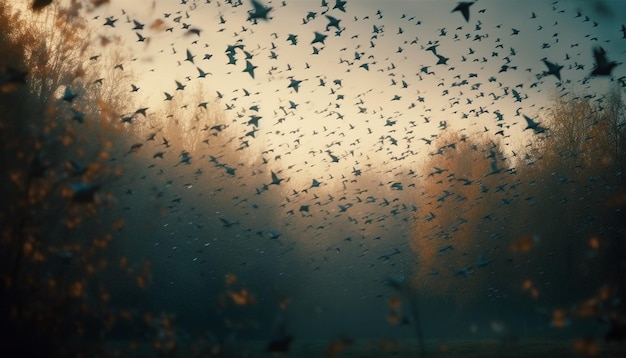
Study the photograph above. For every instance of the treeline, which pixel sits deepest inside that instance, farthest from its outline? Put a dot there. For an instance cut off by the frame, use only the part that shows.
(543, 223)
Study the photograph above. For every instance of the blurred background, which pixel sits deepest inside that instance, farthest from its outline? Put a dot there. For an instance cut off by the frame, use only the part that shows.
(190, 178)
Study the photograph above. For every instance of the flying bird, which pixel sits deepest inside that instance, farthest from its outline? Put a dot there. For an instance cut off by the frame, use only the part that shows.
(463, 7)
(553, 69)
(275, 179)
(110, 21)
(138, 25)
(189, 56)
(227, 223)
(340, 5)
(250, 68)
(332, 22)
(78, 116)
(293, 39)
(319, 37)
(68, 95)
(603, 66)
(531, 124)
(259, 11)
(295, 84)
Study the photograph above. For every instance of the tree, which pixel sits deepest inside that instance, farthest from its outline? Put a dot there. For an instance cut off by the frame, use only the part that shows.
(57, 148)
(545, 225)
(576, 180)
(461, 214)
(54, 42)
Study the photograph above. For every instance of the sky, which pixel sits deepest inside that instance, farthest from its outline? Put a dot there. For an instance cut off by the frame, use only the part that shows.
(368, 98)
(389, 82)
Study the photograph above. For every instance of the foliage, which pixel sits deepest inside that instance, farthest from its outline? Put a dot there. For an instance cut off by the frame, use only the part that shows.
(549, 225)
(58, 143)
(461, 213)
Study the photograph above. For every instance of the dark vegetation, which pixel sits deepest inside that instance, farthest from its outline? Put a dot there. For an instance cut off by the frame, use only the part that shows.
(58, 217)
(76, 244)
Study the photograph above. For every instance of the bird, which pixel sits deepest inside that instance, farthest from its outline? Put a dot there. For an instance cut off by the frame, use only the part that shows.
(315, 184)
(68, 95)
(340, 5)
(259, 11)
(531, 124)
(77, 115)
(553, 69)
(463, 7)
(250, 69)
(442, 60)
(140, 38)
(603, 66)
(138, 25)
(332, 22)
(293, 39)
(189, 56)
(227, 223)
(201, 73)
(110, 21)
(495, 169)
(275, 179)
(319, 37)
(142, 111)
(185, 158)
(254, 120)
(295, 84)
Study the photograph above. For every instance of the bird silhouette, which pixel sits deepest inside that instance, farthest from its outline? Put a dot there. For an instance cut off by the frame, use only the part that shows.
(553, 69)
(275, 179)
(463, 7)
(603, 65)
(68, 95)
(250, 68)
(259, 11)
(531, 124)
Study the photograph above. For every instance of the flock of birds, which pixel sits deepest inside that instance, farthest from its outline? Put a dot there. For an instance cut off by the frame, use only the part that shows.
(463, 91)
(328, 113)
(300, 113)
(316, 99)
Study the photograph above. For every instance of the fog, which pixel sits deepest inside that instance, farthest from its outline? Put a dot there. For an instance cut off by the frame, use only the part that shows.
(215, 174)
